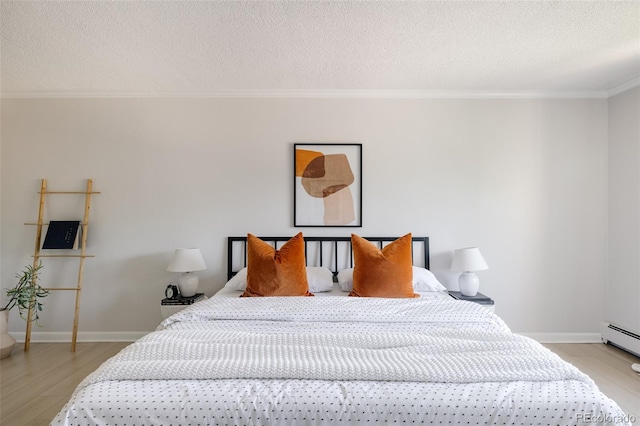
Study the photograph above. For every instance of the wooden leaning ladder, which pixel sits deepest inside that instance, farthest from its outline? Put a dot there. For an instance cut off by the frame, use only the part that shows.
(82, 256)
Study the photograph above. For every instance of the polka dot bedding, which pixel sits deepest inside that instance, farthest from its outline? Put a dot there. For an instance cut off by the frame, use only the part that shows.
(316, 361)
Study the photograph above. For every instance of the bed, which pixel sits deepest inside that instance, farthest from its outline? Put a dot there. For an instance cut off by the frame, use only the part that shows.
(333, 359)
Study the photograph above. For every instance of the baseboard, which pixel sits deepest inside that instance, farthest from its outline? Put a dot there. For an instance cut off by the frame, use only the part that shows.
(131, 336)
(83, 336)
(565, 337)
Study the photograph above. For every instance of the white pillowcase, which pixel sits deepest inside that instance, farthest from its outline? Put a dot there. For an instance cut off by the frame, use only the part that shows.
(238, 281)
(320, 279)
(423, 280)
(345, 279)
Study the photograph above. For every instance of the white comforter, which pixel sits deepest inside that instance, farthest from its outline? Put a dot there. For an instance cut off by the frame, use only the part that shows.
(317, 350)
(265, 343)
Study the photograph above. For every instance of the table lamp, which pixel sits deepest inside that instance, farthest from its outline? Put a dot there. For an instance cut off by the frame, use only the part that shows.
(187, 261)
(467, 260)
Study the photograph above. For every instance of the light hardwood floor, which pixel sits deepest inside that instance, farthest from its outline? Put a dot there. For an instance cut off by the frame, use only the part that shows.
(35, 385)
(610, 368)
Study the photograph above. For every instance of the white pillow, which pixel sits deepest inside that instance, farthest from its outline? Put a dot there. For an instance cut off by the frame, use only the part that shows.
(423, 280)
(319, 278)
(345, 279)
(238, 281)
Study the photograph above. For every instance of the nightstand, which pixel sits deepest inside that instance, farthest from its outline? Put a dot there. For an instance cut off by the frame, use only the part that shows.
(479, 298)
(168, 310)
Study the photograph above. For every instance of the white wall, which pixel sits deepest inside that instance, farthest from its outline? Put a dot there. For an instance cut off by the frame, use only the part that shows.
(623, 301)
(524, 180)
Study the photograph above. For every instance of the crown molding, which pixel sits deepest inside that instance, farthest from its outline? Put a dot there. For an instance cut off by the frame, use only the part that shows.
(335, 94)
(624, 87)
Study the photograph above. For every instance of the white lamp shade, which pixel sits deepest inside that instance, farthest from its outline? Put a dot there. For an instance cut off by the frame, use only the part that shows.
(187, 260)
(468, 259)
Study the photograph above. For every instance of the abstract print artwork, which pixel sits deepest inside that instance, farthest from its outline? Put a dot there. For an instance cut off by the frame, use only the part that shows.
(327, 184)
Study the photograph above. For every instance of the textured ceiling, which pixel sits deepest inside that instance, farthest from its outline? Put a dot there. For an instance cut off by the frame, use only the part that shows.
(199, 48)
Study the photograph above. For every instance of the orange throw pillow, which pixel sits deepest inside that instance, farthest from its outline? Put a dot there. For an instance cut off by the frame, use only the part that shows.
(272, 272)
(382, 273)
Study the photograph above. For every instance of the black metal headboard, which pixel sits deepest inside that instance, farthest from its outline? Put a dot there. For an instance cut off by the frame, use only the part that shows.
(334, 253)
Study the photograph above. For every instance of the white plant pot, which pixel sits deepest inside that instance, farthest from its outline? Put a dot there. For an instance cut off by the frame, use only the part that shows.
(6, 341)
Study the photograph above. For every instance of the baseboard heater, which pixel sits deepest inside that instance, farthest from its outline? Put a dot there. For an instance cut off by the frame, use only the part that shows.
(618, 336)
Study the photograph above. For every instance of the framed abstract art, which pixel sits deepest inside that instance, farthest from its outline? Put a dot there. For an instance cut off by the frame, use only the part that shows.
(327, 184)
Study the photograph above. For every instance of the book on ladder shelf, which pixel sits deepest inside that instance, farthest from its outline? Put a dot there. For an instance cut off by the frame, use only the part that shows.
(63, 234)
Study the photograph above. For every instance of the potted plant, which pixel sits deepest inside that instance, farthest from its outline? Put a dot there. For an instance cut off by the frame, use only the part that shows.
(26, 295)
